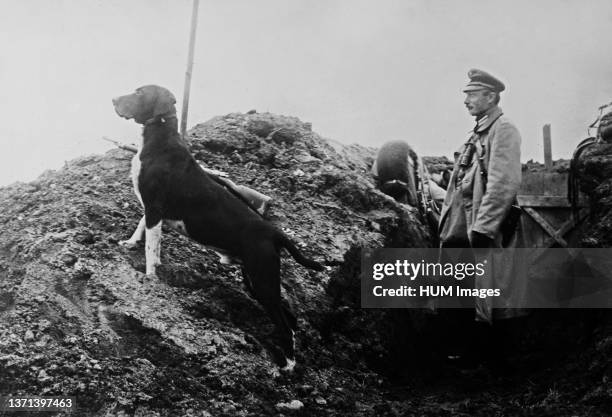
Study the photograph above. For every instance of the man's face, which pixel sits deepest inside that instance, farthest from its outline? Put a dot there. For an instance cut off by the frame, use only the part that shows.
(478, 102)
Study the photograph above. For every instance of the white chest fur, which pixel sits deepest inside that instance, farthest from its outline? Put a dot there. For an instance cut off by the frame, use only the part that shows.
(134, 173)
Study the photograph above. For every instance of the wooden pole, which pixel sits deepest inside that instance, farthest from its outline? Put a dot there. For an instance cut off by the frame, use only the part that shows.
(547, 147)
(192, 38)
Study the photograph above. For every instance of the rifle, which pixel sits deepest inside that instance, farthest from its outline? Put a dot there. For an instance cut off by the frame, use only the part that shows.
(120, 145)
(430, 212)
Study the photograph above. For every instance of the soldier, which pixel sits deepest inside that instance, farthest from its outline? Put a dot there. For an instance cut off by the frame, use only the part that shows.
(395, 170)
(401, 174)
(481, 192)
(487, 172)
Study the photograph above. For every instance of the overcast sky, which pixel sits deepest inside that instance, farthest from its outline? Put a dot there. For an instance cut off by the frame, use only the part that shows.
(360, 71)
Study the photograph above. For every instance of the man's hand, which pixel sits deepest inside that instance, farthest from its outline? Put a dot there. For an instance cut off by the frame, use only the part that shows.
(478, 240)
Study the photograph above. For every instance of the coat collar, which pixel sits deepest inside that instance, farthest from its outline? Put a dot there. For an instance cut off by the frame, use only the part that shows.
(488, 119)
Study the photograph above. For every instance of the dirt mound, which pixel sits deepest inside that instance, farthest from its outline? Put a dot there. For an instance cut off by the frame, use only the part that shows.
(595, 171)
(79, 317)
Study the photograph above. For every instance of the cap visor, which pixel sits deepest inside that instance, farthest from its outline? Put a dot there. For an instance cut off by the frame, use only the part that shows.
(469, 88)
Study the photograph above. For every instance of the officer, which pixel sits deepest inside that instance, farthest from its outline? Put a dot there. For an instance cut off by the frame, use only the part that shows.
(487, 171)
(481, 192)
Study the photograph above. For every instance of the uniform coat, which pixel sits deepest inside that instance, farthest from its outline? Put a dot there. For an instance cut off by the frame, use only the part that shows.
(486, 206)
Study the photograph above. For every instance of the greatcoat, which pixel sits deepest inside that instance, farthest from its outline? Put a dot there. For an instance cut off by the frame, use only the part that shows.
(486, 203)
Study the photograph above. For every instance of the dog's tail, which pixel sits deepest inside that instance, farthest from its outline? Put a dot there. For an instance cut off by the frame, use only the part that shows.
(284, 242)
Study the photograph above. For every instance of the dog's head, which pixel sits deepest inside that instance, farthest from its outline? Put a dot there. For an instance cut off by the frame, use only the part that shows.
(146, 103)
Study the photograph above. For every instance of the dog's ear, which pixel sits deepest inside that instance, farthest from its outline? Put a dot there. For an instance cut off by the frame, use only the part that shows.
(164, 105)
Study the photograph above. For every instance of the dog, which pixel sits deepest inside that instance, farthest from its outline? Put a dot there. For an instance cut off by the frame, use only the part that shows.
(173, 189)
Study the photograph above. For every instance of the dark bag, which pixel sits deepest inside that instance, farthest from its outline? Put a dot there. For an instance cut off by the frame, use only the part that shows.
(510, 224)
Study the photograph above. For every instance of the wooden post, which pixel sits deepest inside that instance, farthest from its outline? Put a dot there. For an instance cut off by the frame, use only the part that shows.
(192, 37)
(547, 148)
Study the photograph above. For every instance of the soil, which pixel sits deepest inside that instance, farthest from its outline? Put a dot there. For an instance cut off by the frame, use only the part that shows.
(78, 316)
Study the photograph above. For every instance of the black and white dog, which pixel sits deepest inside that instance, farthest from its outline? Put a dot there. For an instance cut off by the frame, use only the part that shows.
(173, 188)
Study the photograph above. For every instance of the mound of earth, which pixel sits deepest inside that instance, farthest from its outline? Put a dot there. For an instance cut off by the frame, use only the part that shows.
(595, 171)
(80, 318)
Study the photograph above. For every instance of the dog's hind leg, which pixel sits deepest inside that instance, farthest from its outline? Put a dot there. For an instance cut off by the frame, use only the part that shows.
(288, 316)
(279, 357)
(290, 322)
(285, 336)
(136, 236)
(262, 271)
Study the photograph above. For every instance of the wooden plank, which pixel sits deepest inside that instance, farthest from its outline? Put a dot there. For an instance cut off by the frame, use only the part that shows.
(575, 221)
(547, 148)
(544, 224)
(543, 183)
(187, 87)
(565, 228)
(543, 201)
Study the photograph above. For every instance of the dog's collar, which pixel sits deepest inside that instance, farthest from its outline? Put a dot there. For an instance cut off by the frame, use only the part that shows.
(163, 119)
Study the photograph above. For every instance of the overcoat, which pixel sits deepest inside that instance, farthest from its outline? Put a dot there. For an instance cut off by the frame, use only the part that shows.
(486, 202)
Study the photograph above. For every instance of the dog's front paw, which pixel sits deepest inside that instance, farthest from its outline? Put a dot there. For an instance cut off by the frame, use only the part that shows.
(130, 244)
(150, 277)
(289, 367)
(277, 371)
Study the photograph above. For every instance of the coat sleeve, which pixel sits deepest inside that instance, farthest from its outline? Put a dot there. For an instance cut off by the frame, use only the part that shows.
(503, 180)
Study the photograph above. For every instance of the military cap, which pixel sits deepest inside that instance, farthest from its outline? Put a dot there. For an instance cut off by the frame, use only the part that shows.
(480, 79)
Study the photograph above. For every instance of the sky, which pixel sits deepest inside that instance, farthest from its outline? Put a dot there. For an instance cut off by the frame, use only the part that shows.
(360, 71)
